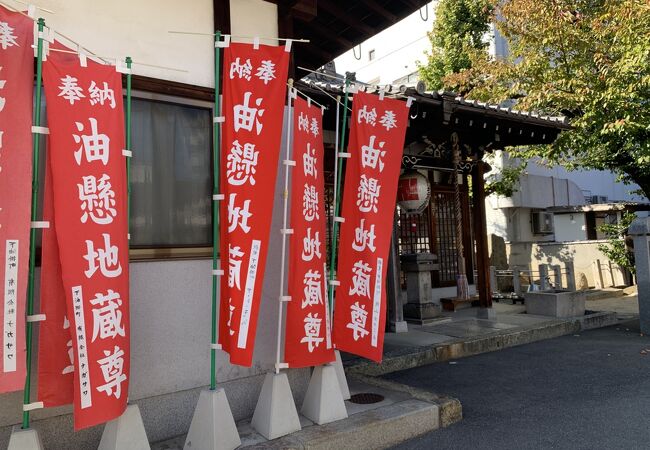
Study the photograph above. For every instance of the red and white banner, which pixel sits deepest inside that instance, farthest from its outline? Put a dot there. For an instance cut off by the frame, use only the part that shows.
(16, 99)
(371, 174)
(255, 83)
(55, 351)
(308, 340)
(86, 122)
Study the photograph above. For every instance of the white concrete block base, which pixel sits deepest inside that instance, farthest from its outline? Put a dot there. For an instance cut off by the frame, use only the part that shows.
(127, 431)
(340, 374)
(275, 414)
(486, 313)
(323, 401)
(24, 439)
(213, 426)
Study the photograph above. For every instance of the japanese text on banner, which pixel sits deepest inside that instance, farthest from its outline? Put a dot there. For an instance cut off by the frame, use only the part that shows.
(376, 145)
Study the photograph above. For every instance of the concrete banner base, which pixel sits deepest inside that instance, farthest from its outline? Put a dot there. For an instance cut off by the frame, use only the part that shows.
(127, 431)
(340, 374)
(24, 439)
(323, 401)
(486, 313)
(275, 414)
(213, 426)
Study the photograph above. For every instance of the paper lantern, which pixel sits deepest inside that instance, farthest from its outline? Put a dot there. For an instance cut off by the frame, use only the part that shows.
(413, 192)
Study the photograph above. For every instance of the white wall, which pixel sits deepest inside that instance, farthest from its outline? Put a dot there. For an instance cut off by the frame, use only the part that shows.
(397, 49)
(570, 227)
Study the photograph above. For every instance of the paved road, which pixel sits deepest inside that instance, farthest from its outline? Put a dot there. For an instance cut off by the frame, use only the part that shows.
(589, 391)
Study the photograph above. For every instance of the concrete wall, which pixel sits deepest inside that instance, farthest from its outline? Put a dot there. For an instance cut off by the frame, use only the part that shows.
(170, 300)
(581, 253)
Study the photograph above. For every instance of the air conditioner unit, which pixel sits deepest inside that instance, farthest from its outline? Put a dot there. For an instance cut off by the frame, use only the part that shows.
(599, 199)
(542, 222)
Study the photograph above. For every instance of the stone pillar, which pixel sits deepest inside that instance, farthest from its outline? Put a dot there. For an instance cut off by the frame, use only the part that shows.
(640, 233)
(420, 307)
(598, 275)
(543, 277)
(557, 276)
(516, 281)
(570, 276)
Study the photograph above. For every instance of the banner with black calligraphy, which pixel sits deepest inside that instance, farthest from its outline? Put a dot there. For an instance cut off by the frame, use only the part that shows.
(371, 174)
(86, 122)
(308, 339)
(16, 99)
(255, 83)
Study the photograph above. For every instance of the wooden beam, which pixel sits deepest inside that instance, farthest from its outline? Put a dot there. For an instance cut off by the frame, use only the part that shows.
(480, 235)
(221, 15)
(346, 17)
(376, 7)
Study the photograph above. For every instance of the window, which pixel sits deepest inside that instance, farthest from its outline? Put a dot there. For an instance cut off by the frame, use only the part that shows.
(371, 55)
(171, 179)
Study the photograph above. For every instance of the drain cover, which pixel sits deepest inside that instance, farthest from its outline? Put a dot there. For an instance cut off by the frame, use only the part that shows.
(366, 398)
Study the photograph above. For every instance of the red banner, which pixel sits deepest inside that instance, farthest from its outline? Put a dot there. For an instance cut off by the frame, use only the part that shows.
(371, 174)
(86, 122)
(308, 339)
(16, 99)
(253, 104)
(55, 351)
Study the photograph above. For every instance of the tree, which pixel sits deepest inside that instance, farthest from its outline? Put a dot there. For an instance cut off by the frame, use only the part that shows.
(615, 248)
(460, 26)
(588, 60)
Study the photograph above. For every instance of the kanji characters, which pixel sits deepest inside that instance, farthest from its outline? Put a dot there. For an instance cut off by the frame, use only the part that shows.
(107, 317)
(105, 259)
(310, 246)
(313, 127)
(303, 122)
(358, 318)
(70, 90)
(97, 199)
(313, 291)
(101, 95)
(364, 238)
(388, 120)
(309, 162)
(369, 117)
(310, 203)
(241, 164)
(238, 215)
(95, 146)
(3, 102)
(360, 279)
(7, 36)
(112, 366)
(371, 156)
(266, 71)
(234, 266)
(247, 116)
(368, 194)
(70, 367)
(312, 332)
(241, 70)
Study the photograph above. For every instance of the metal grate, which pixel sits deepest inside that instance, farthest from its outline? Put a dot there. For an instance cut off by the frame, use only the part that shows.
(366, 398)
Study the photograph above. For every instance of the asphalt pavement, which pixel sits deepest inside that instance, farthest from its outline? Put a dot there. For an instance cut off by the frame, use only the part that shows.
(586, 391)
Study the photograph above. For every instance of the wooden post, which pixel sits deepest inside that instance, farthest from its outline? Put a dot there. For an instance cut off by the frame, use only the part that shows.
(543, 276)
(396, 323)
(480, 235)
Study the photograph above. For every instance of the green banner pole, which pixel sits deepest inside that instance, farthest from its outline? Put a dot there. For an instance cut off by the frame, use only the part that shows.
(215, 210)
(32, 234)
(127, 120)
(337, 200)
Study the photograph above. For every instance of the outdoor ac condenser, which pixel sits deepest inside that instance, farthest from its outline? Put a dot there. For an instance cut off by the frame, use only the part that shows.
(542, 222)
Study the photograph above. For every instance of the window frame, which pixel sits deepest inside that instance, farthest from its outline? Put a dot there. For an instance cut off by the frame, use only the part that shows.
(162, 253)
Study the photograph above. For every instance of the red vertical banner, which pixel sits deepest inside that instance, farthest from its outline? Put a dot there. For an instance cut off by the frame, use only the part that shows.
(371, 174)
(308, 339)
(55, 350)
(16, 99)
(255, 83)
(86, 122)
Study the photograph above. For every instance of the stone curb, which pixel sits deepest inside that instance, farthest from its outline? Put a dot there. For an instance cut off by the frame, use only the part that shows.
(460, 348)
(374, 429)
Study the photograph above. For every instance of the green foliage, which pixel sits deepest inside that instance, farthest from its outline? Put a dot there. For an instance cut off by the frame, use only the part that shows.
(506, 181)
(615, 249)
(459, 28)
(586, 59)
